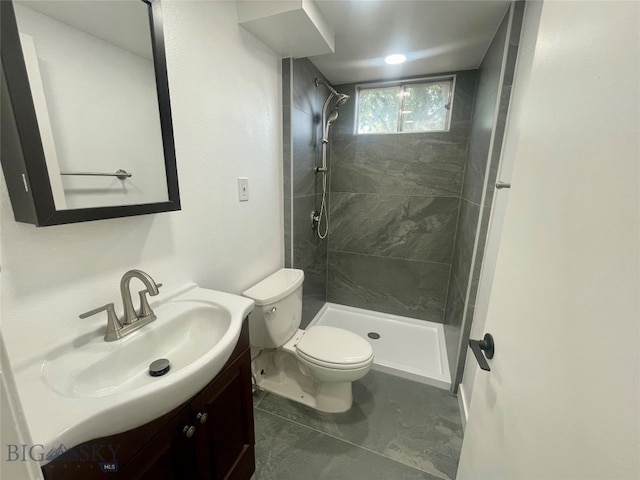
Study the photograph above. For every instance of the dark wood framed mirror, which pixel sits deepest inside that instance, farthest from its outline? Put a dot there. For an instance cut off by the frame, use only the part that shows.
(46, 191)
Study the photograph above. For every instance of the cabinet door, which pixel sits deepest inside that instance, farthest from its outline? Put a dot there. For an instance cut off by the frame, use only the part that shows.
(169, 455)
(225, 441)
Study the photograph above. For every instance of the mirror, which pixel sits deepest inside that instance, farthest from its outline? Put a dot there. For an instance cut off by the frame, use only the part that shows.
(86, 118)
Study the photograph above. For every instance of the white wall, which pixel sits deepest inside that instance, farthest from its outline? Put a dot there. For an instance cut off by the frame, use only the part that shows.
(102, 107)
(225, 94)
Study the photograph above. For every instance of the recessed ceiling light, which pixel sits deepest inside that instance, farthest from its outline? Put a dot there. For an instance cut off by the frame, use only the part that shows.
(395, 59)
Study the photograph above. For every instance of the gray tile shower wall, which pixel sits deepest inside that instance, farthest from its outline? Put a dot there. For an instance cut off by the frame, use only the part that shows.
(454, 309)
(397, 286)
(465, 237)
(399, 226)
(393, 209)
(485, 144)
(302, 109)
(474, 178)
(286, 158)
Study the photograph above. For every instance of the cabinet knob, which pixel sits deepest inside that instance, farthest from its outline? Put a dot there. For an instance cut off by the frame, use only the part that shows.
(189, 430)
(202, 417)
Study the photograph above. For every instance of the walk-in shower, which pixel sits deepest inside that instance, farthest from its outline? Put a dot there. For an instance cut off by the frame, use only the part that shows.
(336, 100)
(408, 211)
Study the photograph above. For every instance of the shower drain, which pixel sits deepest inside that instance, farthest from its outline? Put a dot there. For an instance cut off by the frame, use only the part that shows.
(373, 335)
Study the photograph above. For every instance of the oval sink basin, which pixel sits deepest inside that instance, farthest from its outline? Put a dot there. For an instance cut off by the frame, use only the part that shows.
(183, 333)
(88, 388)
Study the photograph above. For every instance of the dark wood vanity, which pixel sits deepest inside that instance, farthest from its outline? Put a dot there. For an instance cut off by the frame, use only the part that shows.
(209, 437)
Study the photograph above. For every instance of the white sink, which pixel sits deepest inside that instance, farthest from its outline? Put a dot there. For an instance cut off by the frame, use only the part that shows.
(88, 388)
(186, 330)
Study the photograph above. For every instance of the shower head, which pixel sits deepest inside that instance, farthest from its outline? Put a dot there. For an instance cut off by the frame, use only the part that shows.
(341, 97)
(341, 100)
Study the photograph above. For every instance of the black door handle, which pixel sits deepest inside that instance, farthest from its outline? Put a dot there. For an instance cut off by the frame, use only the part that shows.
(486, 345)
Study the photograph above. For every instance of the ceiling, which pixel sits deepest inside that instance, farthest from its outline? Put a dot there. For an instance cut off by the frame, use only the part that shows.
(436, 36)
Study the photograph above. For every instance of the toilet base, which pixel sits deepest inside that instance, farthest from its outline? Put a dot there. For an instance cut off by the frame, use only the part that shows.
(279, 373)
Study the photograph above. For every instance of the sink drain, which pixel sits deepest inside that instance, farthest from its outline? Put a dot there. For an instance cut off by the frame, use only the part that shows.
(373, 335)
(159, 367)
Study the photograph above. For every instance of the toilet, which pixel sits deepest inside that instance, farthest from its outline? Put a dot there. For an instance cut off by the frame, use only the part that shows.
(316, 366)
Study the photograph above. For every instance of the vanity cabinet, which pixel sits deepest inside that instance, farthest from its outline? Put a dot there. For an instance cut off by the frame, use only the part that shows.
(168, 455)
(223, 416)
(210, 437)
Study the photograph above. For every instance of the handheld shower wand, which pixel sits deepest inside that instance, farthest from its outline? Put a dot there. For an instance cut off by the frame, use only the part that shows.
(332, 118)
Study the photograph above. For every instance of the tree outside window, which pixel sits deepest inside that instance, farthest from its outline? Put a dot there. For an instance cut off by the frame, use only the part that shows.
(409, 107)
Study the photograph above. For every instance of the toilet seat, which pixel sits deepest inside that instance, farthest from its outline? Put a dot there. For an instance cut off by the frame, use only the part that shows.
(334, 348)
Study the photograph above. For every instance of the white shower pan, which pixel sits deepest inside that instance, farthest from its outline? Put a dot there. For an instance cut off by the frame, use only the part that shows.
(406, 347)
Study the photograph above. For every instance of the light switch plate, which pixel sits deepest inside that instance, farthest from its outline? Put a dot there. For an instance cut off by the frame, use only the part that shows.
(243, 189)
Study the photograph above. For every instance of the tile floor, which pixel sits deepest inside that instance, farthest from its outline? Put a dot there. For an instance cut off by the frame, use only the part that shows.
(396, 430)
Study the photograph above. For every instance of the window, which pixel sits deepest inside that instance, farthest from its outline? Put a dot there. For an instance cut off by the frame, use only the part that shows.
(418, 106)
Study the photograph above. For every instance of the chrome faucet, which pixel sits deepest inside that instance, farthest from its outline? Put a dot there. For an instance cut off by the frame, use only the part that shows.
(131, 321)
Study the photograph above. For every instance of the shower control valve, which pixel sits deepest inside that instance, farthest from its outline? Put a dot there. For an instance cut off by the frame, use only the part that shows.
(315, 219)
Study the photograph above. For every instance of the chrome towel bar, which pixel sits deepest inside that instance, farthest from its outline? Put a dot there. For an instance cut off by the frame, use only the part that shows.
(121, 174)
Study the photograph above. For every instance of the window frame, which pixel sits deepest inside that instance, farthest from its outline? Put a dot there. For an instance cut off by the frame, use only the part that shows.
(402, 83)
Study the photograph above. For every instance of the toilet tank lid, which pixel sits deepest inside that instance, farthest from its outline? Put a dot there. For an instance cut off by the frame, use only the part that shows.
(276, 286)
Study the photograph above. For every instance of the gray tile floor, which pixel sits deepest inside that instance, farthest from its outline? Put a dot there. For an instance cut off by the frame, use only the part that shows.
(396, 430)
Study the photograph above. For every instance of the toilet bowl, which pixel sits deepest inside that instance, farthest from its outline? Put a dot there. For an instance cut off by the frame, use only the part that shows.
(315, 367)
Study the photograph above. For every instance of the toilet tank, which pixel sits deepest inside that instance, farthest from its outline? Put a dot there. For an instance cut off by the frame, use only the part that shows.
(278, 311)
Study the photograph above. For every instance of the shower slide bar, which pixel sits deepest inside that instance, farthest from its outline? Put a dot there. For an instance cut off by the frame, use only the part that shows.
(121, 174)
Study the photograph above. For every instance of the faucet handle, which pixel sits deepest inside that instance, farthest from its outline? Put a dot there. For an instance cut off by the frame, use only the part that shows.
(113, 324)
(108, 307)
(145, 308)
